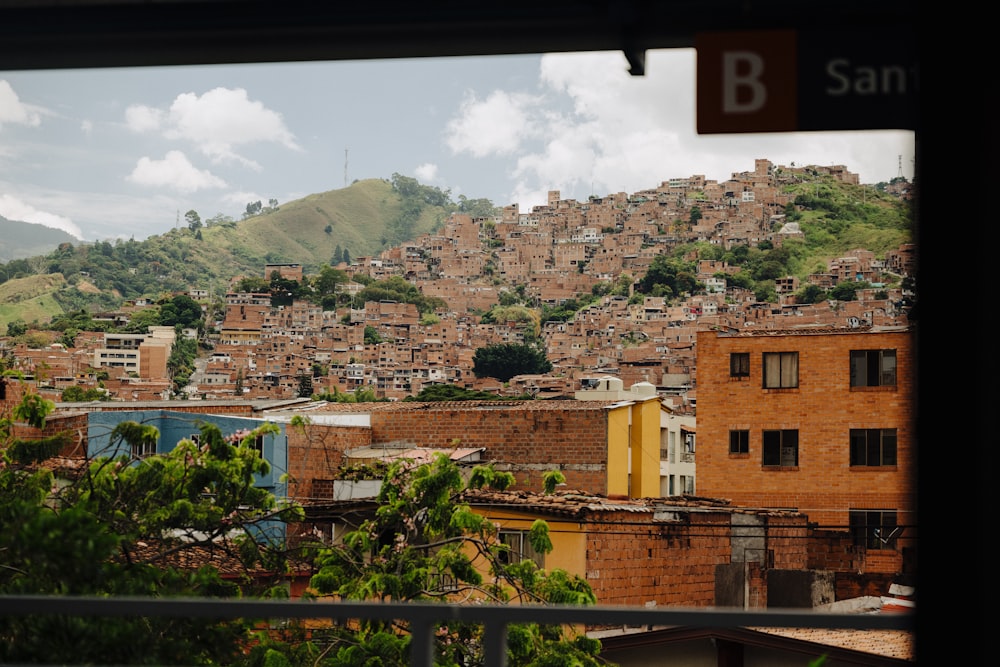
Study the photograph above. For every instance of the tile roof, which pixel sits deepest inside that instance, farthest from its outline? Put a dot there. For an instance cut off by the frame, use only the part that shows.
(899, 644)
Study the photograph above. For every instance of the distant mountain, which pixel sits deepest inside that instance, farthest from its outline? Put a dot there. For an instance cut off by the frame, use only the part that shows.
(20, 240)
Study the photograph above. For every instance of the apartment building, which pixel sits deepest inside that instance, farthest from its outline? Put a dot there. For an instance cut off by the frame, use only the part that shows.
(820, 420)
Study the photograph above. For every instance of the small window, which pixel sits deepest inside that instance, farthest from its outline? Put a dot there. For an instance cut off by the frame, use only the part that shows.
(874, 529)
(141, 450)
(873, 368)
(689, 442)
(739, 442)
(873, 446)
(781, 370)
(739, 364)
(781, 448)
(519, 548)
(195, 438)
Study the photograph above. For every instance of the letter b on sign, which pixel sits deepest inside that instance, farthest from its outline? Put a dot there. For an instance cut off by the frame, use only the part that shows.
(747, 82)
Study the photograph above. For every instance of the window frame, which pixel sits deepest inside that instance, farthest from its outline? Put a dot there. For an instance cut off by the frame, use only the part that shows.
(741, 438)
(519, 548)
(873, 444)
(867, 527)
(775, 454)
(867, 363)
(787, 370)
(739, 364)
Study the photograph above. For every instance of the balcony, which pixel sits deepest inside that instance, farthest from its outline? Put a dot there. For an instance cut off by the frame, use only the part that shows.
(423, 618)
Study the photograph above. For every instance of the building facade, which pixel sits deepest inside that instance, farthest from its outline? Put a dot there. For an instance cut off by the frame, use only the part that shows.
(820, 421)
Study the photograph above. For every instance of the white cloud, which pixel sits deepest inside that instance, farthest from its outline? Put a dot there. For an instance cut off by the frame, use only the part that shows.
(12, 110)
(87, 127)
(224, 119)
(140, 118)
(494, 126)
(426, 173)
(13, 208)
(174, 171)
(617, 132)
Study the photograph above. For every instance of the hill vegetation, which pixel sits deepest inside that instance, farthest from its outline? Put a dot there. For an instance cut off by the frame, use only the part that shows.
(323, 229)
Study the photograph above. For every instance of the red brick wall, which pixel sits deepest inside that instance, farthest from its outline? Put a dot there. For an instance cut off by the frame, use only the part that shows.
(823, 409)
(635, 562)
(527, 440)
(315, 452)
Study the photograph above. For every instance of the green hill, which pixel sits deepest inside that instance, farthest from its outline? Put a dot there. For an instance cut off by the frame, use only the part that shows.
(363, 219)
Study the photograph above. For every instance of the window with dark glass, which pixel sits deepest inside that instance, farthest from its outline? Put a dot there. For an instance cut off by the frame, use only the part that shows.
(873, 446)
(739, 364)
(873, 368)
(874, 529)
(518, 548)
(739, 442)
(781, 448)
(781, 370)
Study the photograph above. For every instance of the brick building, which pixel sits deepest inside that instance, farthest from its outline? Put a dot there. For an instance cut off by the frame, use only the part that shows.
(816, 420)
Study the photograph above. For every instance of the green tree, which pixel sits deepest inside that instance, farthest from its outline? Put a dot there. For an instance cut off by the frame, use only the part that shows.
(423, 543)
(122, 528)
(193, 220)
(505, 360)
(182, 311)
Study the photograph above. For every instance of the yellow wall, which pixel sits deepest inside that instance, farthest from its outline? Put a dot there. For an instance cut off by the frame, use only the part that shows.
(569, 544)
(619, 420)
(634, 447)
(646, 449)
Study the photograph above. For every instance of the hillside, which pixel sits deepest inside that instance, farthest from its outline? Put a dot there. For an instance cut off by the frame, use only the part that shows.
(364, 219)
(20, 240)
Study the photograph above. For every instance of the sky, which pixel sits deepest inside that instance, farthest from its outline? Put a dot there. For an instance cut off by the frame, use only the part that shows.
(126, 153)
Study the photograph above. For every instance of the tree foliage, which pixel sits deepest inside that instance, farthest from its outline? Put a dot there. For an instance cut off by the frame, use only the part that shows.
(505, 360)
(122, 527)
(425, 544)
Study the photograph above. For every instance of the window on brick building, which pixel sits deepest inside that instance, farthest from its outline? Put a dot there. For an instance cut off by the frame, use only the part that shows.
(873, 368)
(519, 548)
(874, 529)
(739, 442)
(781, 448)
(873, 446)
(739, 364)
(781, 370)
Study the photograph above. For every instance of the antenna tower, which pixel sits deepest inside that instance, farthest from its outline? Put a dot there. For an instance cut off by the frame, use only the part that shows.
(900, 174)
(345, 167)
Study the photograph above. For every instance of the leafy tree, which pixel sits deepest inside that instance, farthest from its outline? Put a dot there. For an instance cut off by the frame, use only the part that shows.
(505, 360)
(425, 544)
(673, 276)
(193, 220)
(372, 336)
(182, 311)
(847, 291)
(111, 532)
(77, 394)
(17, 327)
(810, 294)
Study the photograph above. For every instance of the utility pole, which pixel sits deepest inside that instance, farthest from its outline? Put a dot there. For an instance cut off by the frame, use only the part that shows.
(345, 167)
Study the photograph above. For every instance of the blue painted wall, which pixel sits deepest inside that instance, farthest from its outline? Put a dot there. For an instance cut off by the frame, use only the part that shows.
(175, 426)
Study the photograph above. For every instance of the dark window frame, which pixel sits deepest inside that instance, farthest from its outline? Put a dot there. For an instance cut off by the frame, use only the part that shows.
(874, 529)
(739, 441)
(739, 364)
(873, 447)
(780, 448)
(874, 368)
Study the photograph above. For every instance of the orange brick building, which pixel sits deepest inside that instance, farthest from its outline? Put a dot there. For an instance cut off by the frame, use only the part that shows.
(819, 421)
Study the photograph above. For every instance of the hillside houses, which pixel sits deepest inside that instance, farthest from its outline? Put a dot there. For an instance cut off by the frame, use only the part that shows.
(554, 254)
